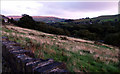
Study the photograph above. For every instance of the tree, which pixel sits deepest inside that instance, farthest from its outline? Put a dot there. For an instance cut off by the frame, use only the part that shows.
(113, 39)
(67, 32)
(11, 20)
(3, 21)
(90, 20)
(69, 20)
(74, 32)
(27, 21)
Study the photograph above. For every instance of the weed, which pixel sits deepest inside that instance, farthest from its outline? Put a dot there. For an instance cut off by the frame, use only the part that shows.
(27, 39)
(51, 36)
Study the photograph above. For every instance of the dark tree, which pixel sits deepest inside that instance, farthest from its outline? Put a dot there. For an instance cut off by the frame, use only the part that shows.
(27, 21)
(11, 20)
(69, 20)
(3, 21)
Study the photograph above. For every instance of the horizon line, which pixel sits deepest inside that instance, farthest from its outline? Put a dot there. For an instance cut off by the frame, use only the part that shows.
(58, 17)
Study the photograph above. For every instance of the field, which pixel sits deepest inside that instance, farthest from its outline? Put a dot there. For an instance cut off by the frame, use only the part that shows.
(79, 55)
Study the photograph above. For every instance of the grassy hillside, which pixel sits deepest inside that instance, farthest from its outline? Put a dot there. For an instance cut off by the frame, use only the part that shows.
(79, 55)
(100, 19)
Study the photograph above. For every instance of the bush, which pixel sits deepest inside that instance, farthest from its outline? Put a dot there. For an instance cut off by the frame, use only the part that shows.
(113, 39)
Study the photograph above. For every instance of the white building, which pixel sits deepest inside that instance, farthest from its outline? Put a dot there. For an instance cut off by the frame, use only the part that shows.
(5, 18)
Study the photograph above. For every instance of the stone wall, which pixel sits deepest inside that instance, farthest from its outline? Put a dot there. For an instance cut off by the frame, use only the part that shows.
(21, 60)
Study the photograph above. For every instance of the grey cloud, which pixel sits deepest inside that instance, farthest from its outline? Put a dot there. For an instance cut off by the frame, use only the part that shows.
(59, 8)
(79, 6)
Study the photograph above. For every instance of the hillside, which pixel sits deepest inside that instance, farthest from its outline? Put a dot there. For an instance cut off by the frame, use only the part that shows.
(47, 19)
(99, 19)
(79, 55)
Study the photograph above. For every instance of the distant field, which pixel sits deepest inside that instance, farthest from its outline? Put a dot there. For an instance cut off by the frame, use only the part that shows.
(79, 55)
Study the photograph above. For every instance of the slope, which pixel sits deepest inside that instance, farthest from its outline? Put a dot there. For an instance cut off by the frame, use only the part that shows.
(99, 19)
(79, 55)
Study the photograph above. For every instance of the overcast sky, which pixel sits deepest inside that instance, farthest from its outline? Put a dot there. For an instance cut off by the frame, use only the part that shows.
(71, 10)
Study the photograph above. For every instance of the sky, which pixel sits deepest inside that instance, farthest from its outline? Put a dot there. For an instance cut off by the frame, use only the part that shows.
(62, 9)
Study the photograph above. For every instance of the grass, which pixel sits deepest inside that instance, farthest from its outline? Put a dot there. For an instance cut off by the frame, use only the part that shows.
(21, 33)
(11, 31)
(51, 36)
(6, 30)
(105, 20)
(74, 60)
(0, 28)
(27, 39)
(103, 46)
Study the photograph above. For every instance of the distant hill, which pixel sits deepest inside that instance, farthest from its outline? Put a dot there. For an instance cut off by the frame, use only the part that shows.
(50, 19)
(107, 18)
(47, 19)
(98, 19)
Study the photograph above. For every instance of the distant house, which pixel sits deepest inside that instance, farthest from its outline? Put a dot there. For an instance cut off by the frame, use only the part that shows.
(5, 18)
(90, 22)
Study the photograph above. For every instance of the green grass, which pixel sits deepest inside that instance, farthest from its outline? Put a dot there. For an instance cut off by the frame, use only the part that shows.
(103, 46)
(22, 33)
(51, 36)
(105, 20)
(0, 28)
(12, 38)
(82, 62)
(27, 39)
(6, 30)
(11, 31)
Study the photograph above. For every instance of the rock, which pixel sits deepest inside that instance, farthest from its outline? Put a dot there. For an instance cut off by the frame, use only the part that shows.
(5, 38)
(64, 38)
(43, 35)
(31, 34)
(97, 43)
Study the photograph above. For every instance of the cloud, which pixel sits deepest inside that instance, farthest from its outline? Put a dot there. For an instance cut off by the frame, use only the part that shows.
(59, 9)
(80, 6)
(20, 7)
(80, 9)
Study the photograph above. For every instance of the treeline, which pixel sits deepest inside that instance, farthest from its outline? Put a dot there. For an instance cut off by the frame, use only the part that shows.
(27, 22)
(108, 32)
